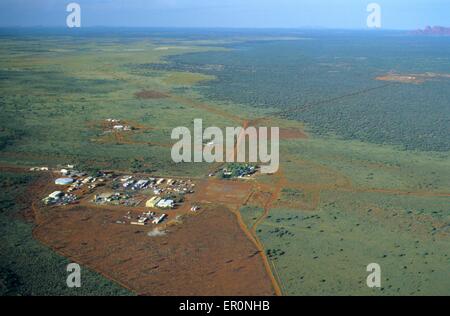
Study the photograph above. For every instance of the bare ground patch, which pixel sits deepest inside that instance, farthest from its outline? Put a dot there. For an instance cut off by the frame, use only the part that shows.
(150, 94)
(207, 255)
(292, 133)
(412, 78)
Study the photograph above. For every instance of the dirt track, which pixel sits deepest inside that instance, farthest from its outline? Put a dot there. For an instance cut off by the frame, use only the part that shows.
(214, 253)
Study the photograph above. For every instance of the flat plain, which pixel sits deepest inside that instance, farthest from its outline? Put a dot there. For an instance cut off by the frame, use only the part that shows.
(364, 174)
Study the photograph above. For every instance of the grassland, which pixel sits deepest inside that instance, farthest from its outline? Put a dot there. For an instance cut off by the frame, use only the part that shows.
(346, 204)
(53, 97)
(325, 252)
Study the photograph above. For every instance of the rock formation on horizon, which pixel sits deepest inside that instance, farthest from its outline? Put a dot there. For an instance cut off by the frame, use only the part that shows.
(433, 30)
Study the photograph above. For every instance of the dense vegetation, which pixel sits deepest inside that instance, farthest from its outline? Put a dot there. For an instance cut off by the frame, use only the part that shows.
(329, 82)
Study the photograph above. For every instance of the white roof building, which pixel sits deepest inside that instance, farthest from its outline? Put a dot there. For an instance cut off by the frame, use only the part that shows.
(165, 203)
(64, 181)
(159, 219)
(56, 195)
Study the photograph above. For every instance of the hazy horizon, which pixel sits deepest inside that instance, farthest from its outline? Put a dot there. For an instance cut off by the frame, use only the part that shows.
(230, 14)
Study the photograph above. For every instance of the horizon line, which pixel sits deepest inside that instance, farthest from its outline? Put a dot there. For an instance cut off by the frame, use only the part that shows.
(310, 28)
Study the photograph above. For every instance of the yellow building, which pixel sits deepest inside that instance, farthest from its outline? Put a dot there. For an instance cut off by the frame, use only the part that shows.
(153, 201)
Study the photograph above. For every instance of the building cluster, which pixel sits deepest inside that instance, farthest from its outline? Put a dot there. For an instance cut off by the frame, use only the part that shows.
(162, 189)
(131, 190)
(115, 198)
(75, 180)
(157, 185)
(118, 126)
(238, 171)
(144, 219)
(122, 190)
(59, 198)
(72, 180)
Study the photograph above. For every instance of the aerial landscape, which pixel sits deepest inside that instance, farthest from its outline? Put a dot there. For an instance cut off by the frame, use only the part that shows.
(87, 173)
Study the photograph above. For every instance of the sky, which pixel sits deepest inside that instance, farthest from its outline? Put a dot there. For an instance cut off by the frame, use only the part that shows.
(342, 14)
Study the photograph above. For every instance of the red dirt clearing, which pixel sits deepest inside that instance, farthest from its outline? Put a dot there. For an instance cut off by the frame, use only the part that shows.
(227, 192)
(148, 94)
(292, 133)
(208, 254)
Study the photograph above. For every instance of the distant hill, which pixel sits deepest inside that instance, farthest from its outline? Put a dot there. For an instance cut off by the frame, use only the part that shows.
(433, 30)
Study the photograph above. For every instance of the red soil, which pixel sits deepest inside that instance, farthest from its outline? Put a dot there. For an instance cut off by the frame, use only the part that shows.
(147, 94)
(207, 254)
(292, 133)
